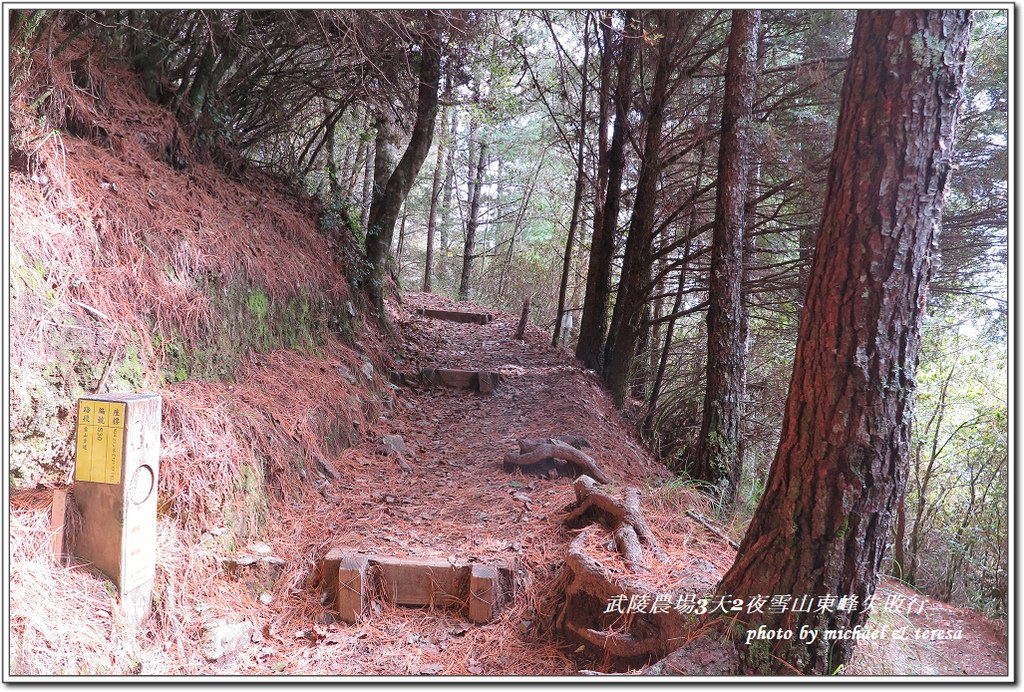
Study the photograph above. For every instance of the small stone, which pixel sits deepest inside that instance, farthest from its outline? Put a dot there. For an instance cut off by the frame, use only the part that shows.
(394, 444)
(351, 308)
(522, 497)
(261, 548)
(266, 598)
(367, 370)
(222, 639)
(347, 374)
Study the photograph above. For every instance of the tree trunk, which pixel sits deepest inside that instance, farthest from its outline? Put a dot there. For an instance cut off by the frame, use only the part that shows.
(642, 368)
(923, 480)
(446, 202)
(435, 199)
(401, 238)
(471, 222)
(367, 195)
(384, 212)
(899, 541)
(823, 524)
(602, 246)
(659, 377)
(627, 319)
(577, 195)
(717, 457)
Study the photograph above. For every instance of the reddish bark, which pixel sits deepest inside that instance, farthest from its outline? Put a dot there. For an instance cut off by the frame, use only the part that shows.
(823, 523)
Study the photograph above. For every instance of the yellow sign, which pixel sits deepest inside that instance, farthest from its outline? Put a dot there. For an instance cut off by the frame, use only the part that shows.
(100, 441)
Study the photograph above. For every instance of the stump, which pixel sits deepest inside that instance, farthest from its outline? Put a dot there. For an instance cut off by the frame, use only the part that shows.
(521, 329)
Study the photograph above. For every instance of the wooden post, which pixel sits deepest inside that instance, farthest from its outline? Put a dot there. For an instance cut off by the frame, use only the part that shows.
(58, 508)
(351, 587)
(116, 470)
(484, 593)
(521, 331)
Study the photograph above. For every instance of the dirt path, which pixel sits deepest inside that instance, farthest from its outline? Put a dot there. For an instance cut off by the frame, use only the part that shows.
(459, 503)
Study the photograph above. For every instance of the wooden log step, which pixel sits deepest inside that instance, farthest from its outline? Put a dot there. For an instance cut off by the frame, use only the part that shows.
(456, 315)
(478, 589)
(482, 381)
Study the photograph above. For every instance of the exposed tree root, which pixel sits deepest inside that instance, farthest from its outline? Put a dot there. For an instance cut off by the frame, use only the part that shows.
(623, 640)
(594, 504)
(561, 453)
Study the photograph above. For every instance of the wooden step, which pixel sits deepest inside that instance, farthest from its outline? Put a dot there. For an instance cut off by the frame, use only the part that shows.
(479, 590)
(456, 315)
(483, 381)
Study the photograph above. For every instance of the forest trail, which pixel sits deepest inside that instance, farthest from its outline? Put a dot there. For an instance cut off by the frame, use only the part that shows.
(459, 503)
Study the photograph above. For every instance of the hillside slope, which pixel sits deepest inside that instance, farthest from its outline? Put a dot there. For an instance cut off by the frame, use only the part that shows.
(133, 253)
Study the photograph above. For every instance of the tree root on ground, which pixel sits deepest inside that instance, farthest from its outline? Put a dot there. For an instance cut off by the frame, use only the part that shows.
(561, 451)
(622, 640)
(595, 505)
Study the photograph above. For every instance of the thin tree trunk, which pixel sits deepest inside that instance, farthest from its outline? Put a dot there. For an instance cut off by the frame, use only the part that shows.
(595, 303)
(384, 212)
(435, 198)
(518, 225)
(401, 238)
(446, 205)
(823, 524)
(577, 195)
(659, 378)
(471, 222)
(367, 196)
(642, 370)
(333, 184)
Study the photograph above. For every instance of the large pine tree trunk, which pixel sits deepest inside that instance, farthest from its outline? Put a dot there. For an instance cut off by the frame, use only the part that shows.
(717, 458)
(602, 246)
(823, 524)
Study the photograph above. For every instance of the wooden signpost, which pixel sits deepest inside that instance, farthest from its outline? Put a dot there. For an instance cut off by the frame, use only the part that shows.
(116, 470)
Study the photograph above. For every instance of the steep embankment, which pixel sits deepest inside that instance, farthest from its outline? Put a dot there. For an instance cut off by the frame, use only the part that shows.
(139, 264)
(136, 262)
